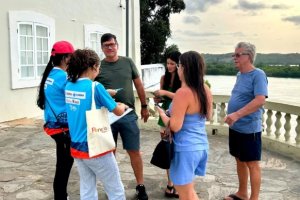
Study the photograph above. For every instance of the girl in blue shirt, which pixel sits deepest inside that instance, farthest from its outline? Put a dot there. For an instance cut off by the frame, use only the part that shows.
(83, 68)
(51, 99)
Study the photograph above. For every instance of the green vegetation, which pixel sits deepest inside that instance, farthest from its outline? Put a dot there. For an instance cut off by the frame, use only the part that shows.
(271, 71)
(281, 71)
(270, 59)
(274, 65)
(155, 27)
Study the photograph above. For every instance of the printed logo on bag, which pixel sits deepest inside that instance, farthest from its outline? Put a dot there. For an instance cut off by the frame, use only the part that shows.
(97, 130)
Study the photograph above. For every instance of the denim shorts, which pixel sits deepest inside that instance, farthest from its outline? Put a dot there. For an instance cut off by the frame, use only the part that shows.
(129, 131)
(245, 147)
(186, 165)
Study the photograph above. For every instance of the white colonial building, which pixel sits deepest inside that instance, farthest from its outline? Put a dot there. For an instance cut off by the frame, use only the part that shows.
(29, 29)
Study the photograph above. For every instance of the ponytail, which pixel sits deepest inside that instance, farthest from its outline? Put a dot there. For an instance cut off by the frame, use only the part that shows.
(41, 93)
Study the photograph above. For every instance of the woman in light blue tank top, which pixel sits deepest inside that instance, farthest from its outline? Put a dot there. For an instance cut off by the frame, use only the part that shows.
(191, 106)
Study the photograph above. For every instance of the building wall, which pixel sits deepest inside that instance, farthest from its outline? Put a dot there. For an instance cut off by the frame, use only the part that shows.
(70, 16)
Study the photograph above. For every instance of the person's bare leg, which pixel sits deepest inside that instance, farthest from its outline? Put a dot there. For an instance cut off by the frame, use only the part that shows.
(137, 165)
(255, 179)
(187, 192)
(242, 172)
(170, 183)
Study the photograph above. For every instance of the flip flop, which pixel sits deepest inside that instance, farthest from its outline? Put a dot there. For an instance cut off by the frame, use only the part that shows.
(172, 193)
(233, 197)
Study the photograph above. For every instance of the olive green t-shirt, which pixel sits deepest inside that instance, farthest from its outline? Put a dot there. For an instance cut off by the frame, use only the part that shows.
(119, 74)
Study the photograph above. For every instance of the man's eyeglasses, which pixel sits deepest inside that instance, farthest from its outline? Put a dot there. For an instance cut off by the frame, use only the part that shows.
(237, 55)
(111, 45)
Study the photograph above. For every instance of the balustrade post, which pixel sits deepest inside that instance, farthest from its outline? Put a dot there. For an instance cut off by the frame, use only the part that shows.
(278, 124)
(287, 127)
(222, 113)
(213, 114)
(263, 120)
(297, 139)
(269, 122)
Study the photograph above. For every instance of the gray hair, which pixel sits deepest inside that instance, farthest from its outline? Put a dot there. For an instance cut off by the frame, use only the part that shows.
(248, 48)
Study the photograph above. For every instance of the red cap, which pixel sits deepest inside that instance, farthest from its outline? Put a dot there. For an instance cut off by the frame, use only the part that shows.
(62, 47)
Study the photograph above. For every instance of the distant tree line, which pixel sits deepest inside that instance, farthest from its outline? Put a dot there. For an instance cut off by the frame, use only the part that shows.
(285, 71)
(269, 59)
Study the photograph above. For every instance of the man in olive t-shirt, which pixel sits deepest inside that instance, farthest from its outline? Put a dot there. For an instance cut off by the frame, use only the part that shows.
(119, 72)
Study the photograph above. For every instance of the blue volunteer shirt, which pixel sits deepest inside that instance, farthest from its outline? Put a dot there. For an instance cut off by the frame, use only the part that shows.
(247, 86)
(78, 101)
(55, 97)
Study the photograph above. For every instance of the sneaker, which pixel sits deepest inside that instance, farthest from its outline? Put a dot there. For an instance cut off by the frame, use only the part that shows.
(141, 192)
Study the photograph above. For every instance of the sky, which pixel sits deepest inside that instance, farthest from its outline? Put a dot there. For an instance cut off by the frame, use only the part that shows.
(216, 26)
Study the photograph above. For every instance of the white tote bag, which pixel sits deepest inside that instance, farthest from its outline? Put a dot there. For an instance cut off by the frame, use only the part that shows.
(99, 134)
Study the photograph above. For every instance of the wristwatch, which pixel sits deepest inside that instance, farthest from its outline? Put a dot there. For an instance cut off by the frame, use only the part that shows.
(144, 106)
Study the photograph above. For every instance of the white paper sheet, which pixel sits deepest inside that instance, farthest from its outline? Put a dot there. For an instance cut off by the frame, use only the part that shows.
(113, 118)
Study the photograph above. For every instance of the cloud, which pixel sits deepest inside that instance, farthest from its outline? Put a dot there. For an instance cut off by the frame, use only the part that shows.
(279, 6)
(237, 34)
(293, 19)
(191, 20)
(189, 34)
(252, 6)
(198, 34)
(246, 5)
(192, 6)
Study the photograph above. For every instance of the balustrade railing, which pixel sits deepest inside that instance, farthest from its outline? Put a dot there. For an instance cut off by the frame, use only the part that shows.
(151, 74)
(281, 124)
(285, 128)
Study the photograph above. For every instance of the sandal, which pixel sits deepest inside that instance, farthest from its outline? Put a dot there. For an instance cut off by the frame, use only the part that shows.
(173, 193)
(233, 197)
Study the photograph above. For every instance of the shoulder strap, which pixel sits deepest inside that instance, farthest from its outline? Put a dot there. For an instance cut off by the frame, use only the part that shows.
(93, 96)
(51, 109)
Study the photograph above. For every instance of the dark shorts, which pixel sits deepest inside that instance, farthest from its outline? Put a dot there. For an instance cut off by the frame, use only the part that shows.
(245, 147)
(129, 131)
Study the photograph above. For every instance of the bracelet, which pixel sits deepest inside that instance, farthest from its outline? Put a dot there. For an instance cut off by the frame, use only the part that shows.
(144, 106)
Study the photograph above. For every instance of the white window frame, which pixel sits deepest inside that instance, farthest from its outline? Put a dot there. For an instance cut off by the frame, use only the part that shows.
(34, 18)
(94, 28)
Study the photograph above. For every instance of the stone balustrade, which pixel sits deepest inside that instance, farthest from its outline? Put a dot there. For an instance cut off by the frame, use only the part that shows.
(281, 124)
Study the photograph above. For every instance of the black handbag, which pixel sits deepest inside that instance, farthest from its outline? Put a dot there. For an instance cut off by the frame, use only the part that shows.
(164, 151)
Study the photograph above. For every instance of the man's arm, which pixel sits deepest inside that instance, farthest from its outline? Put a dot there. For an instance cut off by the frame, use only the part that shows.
(251, 107)
(142, 96)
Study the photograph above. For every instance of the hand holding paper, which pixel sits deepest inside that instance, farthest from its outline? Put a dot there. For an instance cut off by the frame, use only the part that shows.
(112, 118)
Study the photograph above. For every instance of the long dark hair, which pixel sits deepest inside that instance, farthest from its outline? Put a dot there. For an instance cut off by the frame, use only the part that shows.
(53, 61)
(174, 56)
(80, 61)
(193, 72)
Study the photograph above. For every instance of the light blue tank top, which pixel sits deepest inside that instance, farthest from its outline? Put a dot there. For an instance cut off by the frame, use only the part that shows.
(192, 136)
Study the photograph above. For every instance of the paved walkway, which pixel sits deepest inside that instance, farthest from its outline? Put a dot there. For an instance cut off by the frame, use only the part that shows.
(27, 163)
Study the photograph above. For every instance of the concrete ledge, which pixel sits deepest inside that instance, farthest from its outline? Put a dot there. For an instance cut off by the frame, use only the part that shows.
(282, 148)
(269, 143)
